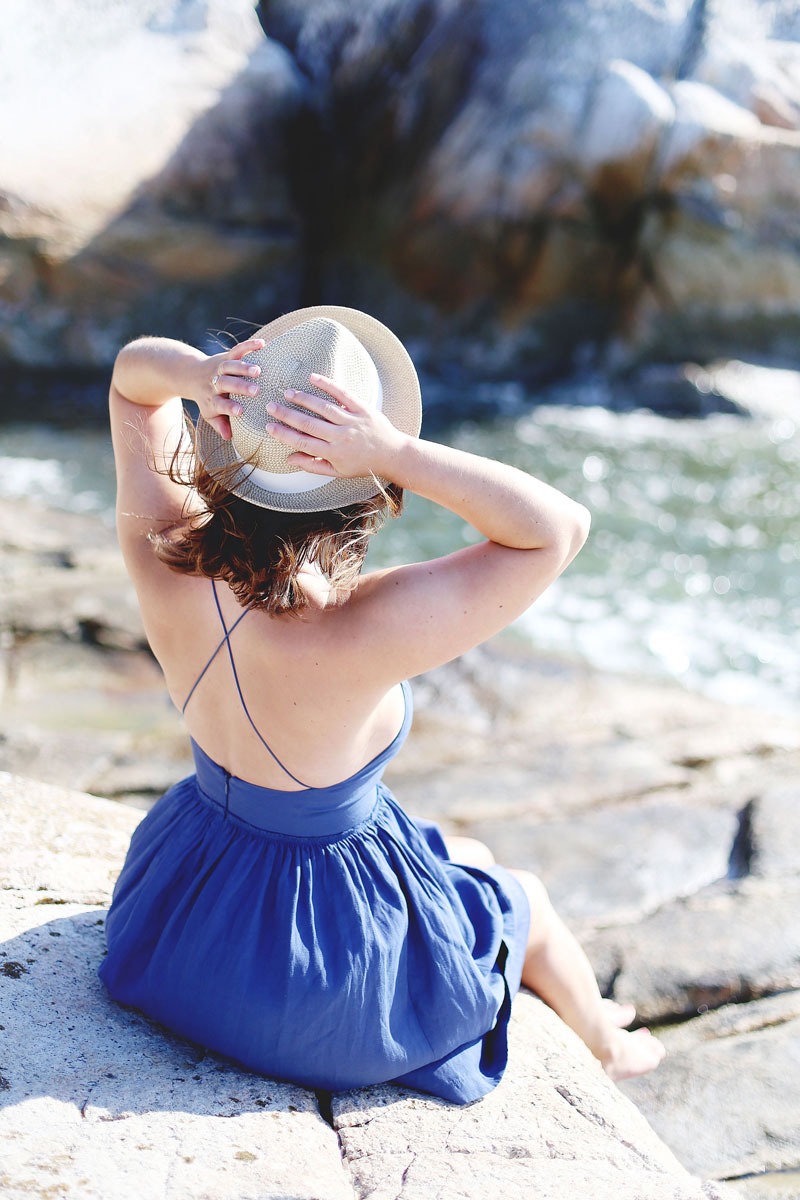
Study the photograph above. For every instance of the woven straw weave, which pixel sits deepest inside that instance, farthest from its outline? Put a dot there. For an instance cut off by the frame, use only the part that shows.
(344, 344)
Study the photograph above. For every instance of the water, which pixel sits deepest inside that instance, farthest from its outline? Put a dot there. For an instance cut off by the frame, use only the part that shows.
(692, 569)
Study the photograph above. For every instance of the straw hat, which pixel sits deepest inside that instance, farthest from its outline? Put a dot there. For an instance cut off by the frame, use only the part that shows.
(349, 347)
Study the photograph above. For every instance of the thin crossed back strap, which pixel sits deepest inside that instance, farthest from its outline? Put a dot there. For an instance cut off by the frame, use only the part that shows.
(228, 632)
(227, 640)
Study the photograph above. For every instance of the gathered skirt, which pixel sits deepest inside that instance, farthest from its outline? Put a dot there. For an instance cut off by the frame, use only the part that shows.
(332, 960)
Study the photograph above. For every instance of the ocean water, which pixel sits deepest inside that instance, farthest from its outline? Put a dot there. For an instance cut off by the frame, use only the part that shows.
(692, 567)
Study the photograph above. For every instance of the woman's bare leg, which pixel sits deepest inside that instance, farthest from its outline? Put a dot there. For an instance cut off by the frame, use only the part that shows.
(468, 851)
(557, 969)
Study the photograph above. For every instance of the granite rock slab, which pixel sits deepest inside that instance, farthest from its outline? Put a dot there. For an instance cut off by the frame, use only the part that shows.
(555, 1127)
(618, 862)
(756, 1124)
(101, 1101)
(731, 942)
(774, 832)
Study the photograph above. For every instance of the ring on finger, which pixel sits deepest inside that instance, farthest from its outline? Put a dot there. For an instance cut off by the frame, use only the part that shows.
(214, 380)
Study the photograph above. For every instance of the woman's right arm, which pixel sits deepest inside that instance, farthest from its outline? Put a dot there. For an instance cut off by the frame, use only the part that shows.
(411, 618)
(428, 613)
(506, 505)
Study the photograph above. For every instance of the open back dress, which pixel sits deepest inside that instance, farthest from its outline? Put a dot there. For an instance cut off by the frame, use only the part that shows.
(320, 936)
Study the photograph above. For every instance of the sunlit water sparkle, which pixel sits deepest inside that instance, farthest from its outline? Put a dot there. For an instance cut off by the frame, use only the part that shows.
(692, 568)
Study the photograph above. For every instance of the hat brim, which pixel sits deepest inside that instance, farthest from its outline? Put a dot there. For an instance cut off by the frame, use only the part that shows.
(402, 404)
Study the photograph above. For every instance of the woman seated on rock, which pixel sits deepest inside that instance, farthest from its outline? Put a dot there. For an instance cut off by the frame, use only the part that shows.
(278, 906)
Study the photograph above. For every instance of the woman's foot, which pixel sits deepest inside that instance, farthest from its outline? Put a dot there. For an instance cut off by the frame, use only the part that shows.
(626, 1054)
(619, 1014)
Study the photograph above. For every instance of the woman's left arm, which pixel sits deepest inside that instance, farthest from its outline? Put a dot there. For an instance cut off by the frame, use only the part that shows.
(151, 376)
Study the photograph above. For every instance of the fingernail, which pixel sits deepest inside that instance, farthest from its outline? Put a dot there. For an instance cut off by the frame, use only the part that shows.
(253, 389)
(254, 370)
(272, 406)
(288, 394)
(236, 409)
(314, 375)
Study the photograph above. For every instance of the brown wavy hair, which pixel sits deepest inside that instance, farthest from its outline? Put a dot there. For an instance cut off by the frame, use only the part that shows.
(258, 551)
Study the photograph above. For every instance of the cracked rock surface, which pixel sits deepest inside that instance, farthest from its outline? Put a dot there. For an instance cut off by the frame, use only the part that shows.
(97, 1100)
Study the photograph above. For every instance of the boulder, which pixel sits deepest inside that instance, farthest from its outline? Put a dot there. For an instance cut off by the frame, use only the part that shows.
(536, 1135)
(99, 1099)
(514, 188)
(732, 941)
(157, 199)
(757, 1130)
(621, 861)
(774, 832)
(524, 170)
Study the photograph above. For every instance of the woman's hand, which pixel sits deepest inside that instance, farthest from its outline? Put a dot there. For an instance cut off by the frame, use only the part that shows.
(344, 437)
(154, 371)
(219, 375)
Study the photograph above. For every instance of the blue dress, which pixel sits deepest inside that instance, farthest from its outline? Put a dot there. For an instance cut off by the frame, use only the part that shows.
(319, 936)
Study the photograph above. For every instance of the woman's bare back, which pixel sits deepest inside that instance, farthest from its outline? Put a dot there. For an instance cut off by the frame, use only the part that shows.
(320, 710)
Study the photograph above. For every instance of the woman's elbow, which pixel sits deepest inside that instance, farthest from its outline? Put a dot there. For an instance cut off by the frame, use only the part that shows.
(574, 532)
(583, 523)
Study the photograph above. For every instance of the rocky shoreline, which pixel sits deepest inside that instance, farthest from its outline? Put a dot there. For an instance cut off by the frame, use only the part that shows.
(666, 825)
(517, 190)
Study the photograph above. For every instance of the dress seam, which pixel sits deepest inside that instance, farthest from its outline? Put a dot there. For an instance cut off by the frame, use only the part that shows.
(293, 838)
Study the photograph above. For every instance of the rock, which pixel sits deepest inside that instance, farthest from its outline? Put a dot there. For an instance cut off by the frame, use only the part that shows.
(508, 186)
(102, 1101)
(97, 1096)
(760, 77)
(769, 1185)
(525, 171)
(71, 861)
(158, 205)
(85, 703)
(774, 833)
(618, 863)
(64, 575)
(619, 140)
(550, 1131)
(757, 1126)
(729, 942)
(759, 391)
(503, 735)
(708, 135)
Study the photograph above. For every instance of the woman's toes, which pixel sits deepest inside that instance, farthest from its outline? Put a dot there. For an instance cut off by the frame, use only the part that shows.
(621, 1014)
(633, 1054)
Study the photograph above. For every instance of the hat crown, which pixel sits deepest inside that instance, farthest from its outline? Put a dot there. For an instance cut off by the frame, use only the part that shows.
(351, 347)
(320, 345)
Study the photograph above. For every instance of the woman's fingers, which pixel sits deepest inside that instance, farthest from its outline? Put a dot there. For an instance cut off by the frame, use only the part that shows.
(298, 419)
(328, 409)
(299, 440)
(307, 462)
(222, 426)
(232, 382)
(230, 374)
(345, 398)
(245, 348)
(236, 377)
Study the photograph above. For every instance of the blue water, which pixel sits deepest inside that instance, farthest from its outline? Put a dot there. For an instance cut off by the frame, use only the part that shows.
(692, 568)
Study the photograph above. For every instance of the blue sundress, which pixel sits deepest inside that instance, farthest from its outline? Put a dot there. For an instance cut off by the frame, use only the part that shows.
(320, 936)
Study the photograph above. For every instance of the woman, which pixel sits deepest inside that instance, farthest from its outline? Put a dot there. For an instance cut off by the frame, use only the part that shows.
(278, 906)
